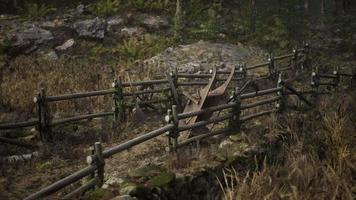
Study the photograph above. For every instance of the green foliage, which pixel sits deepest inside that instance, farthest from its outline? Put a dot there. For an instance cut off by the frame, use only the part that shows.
(151, 5)
(34, 11)
(105, 8)
(273, 36)
(133, 49)
(204, 20)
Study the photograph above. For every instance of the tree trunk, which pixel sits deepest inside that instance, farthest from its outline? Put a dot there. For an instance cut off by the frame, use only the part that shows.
(306, 6)
(322, 13)
(178, 19)
(254, 15)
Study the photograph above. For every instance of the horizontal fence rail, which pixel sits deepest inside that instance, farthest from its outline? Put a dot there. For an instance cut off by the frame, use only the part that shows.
(16, 125)
(62, 183)
(79, 95)
(138, 140)
(81, 117)
(173, 129)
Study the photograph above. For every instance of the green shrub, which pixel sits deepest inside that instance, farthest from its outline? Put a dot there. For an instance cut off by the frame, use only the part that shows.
(151, 5)
(34, 11)
(274, 35)
(105, 8)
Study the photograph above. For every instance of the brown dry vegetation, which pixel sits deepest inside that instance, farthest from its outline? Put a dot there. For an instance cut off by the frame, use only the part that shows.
(26, 75)
(318, 163)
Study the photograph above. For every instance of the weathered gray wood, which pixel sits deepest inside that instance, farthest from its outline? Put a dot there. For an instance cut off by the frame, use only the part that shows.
(148, 82)
(17, 143)
(81, 190)
(62, 183)
(204, 123)
(296, 93)
(146, 92)
(265, 64)
(260, 93)
(100, 163)
(138, 140)
(204, 136)
(206, 110)
(259, 103)
(16, 125)
(174, 91)
(249, 117)
(79, 95)
(45, 117)
(81, 117)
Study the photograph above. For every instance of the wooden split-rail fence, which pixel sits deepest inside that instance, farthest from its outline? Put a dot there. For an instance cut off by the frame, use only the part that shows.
(151, 92)
(236, 111)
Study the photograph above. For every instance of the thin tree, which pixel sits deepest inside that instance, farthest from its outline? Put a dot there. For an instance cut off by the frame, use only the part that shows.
(322, 13)
(178, 19)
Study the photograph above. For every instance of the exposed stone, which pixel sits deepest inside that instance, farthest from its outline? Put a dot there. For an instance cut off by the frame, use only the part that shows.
(66, 45)
(200, 57)
(51, 55)
(115, 24)
(124, 197)
(91, 28)
(133, 31)
(28, 40)
(154, 22)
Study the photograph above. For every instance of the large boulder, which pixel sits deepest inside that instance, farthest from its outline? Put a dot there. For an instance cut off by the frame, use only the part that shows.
(26, 40)
(91, 28)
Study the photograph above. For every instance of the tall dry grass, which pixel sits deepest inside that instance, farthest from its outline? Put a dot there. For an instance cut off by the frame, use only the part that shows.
(319, 162)
(25, 76)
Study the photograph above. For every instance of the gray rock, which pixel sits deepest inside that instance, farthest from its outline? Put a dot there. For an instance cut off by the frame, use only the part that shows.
(51, 55)
(154, 22)
(66, 45)
(115, 24)
(124, 197)
(133, 31)
(29, 39)
(91, 28)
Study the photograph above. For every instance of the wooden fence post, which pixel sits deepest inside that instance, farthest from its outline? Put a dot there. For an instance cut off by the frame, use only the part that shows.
(91, 155)
(272, 68)
(100, 162)
(281, 104)
(118, 98)
(295, 62)
(306, 56)
(235, 123)
(169, 134)
(175, 121)
(242, 70)
(353, 78)
(44, 117)
(337, 79)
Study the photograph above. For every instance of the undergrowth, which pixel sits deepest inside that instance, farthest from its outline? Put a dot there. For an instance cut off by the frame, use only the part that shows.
(318, 163)
(105, 8)
(34, 11)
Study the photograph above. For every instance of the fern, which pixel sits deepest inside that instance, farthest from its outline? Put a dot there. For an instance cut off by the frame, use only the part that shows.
(105, 8)
(34, 11)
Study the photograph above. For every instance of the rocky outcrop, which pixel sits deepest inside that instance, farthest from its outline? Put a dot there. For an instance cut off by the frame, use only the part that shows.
(29, 39)
(91, 28)
(201, 57)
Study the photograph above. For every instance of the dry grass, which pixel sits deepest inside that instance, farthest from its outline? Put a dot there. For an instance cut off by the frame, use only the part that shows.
(318, 164)
(26, 75)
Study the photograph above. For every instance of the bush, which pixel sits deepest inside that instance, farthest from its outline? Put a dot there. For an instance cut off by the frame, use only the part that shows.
(34, 11)
(105, 8)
